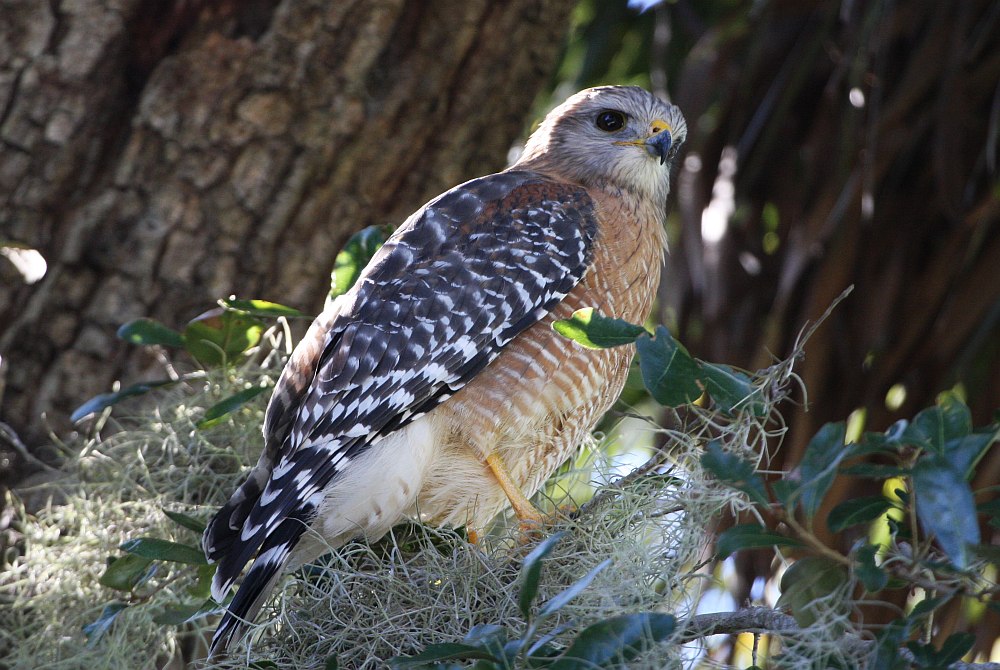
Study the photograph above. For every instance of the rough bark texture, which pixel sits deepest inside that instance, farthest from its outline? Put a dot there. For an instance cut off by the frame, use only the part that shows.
(164, 155)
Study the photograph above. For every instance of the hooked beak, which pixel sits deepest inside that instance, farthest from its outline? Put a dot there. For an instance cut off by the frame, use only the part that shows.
(659, 142)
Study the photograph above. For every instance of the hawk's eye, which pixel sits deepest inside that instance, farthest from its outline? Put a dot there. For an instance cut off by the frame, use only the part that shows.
(609, 121)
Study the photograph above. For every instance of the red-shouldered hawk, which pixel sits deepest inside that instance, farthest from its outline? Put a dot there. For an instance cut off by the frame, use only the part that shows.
(437, 384)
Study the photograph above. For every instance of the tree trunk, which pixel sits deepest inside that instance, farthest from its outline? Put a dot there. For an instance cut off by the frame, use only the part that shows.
(163, 155)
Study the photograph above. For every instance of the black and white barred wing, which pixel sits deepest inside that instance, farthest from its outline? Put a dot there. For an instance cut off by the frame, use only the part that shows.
(457, 282)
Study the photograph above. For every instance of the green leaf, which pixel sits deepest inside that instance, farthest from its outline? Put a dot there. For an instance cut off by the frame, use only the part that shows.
(955, 647)
(189, 522)
(176, 615)
(164, 550)
(935, 426)
(331, 663)
(857, 511)
(262, 308)
(94, 631)
(945, 507)
(353, 258)
(731, 389)
(990, 508)
(217, 413)
(148, 332)
(487, 636)
(875, 471)
(435, 653)
(531, 571)
(220, 335)
(203, 587)
(925, 607)
(749, 536)
(125, 572)
(615, 640)
(668, 372)
(871, 576)
(819, 465)
(965, 452)
(558, 601)
(807, 585)
(887, 648)
(101, 402)
(590, 329)
(733, 470)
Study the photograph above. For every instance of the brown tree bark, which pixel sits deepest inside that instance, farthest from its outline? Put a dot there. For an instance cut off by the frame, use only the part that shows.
(161, 155)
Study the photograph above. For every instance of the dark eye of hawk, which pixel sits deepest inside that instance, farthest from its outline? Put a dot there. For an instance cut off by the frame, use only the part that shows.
(610, 121)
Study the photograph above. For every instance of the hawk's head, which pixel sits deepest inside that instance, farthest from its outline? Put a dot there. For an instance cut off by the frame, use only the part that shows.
(619, 135)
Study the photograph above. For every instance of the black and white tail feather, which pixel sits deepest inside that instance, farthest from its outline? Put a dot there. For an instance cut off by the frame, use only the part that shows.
(459, 280)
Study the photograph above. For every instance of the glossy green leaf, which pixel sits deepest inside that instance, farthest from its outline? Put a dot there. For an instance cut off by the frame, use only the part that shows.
(819, 466)
(871, 576)
(731, 390)
(149, 332)
(220, 336)
(94, 631)
(807, 585)
(262, 308)
(531, 571)
(669, 373)
(186, 521)
(750, 536)
(435, 653)
(945, 507)
(590, 329)
(101, 402)
(125, 572)
(875, 471)
(164, 550)
(857, 511)
(353, 258)
(610, 642)
(217, 413)
(559, 600)
(733, 470)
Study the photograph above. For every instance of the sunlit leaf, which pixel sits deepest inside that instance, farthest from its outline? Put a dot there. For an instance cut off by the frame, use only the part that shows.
(148, 332)
(733, 470)
(262, 308)
(353, 258)
(669, 373)
(217, 413)
(945, 507)
(219, 336)
(164, 550)
(590, 329)
(750, 536)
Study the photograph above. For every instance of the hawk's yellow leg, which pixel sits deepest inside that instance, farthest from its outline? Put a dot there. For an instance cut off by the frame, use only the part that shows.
(525, 511)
